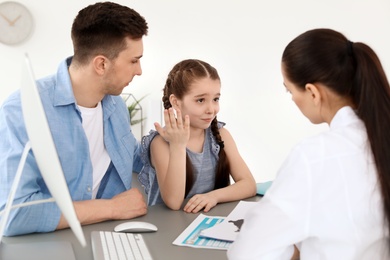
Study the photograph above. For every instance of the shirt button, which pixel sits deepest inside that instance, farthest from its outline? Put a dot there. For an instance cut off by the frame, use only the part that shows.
(89, 189)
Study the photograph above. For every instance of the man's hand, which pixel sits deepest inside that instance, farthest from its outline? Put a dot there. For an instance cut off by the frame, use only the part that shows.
(128, 204)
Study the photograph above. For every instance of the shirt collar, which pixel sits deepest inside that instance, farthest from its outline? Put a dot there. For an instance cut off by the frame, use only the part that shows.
(63, 92)
(343, 116)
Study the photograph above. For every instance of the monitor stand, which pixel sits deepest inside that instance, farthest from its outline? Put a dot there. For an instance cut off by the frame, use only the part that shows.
(4, 214)
(14, 186)
(59, 250)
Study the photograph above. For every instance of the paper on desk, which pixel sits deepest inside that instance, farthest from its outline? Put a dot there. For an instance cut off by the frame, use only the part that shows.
(230, 227)
(190, 236)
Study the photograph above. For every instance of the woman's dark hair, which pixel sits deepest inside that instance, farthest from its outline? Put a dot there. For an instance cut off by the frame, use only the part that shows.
(101, 28)
(179, 80)
(354, 71)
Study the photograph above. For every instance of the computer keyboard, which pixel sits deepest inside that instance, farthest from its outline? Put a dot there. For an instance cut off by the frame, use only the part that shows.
(108, 245)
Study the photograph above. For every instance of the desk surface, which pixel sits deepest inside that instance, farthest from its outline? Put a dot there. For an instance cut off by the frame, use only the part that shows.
(170, 224)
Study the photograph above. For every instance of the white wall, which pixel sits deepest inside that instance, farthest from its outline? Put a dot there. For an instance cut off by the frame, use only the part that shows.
(244, 40)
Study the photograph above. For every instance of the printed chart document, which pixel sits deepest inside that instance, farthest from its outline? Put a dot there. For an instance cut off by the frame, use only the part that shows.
(231, 226)
(214, 232)
(190, 236)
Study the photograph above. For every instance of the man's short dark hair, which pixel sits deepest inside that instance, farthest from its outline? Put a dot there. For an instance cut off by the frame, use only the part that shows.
(101, 29)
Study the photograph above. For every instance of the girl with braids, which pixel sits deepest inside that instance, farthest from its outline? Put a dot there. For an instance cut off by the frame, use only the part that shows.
(193, 156)
(331, 197)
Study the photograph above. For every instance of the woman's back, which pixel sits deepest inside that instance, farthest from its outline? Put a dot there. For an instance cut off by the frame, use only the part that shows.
(345, 213)
(332, 196)
(325, 200)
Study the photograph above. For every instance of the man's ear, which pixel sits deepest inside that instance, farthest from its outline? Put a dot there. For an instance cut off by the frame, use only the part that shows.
(174, 101)
(314, 92)
(100, 64)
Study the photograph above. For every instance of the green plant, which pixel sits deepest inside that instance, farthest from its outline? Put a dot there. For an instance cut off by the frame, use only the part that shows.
(134, 108)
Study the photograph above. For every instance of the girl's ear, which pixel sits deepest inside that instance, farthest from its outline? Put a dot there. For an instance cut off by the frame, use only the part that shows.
(174, 101)
(314, 93)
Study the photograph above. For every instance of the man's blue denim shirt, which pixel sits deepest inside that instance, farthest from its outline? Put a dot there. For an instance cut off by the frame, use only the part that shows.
(72, 145)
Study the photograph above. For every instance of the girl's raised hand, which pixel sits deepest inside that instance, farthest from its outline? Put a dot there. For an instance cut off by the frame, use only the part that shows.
(175, 131)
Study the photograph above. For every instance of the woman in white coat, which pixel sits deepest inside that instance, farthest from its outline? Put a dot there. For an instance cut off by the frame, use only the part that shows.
(331, 197)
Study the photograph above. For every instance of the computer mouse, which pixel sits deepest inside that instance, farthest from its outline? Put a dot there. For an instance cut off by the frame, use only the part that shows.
(135, 227)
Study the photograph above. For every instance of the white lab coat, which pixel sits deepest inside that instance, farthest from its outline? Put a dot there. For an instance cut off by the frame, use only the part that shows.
(325, 200)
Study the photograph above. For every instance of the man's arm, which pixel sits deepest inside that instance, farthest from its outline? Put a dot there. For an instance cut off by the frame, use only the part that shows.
(126, 205)
(37, 218)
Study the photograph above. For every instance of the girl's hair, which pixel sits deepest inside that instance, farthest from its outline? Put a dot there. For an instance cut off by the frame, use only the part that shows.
(179, 80)
(354, 71)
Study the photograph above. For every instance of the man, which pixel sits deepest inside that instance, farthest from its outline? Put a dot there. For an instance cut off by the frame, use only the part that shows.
(89, 123)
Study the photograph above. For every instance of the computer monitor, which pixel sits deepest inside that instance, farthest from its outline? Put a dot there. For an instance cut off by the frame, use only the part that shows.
(42, 145)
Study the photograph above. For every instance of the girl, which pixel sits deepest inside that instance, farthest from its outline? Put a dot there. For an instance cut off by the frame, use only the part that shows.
(331, 197)
(194, 155)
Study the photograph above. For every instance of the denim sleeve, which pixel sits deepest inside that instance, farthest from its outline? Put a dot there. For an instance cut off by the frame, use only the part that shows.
(29, 219)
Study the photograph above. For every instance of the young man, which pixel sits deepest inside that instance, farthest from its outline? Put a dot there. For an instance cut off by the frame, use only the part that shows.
(89, 123)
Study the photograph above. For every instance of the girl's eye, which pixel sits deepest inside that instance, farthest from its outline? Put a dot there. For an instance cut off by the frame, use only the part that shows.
(134, 61)
(201, 100)
(216, 99)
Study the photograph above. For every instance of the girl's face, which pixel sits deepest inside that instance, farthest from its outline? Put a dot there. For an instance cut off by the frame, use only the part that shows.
(201, 102)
